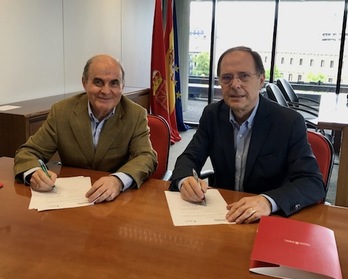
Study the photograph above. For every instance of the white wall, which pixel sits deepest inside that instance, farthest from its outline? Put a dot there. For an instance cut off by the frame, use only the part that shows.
(45, 43)
(137, 22)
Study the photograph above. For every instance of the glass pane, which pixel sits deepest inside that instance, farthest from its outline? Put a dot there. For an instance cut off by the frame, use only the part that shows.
(232, 29)
(344, 77)
(245, 23)
(199, 54)
(308, 44)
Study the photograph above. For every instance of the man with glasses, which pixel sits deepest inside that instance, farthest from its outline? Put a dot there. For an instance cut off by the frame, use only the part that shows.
(255, 146)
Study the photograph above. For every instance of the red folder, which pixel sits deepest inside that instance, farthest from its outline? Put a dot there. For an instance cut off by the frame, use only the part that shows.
(286, 248)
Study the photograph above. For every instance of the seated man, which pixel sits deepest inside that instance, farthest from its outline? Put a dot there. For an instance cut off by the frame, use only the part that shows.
(254, 144)
(100, 129)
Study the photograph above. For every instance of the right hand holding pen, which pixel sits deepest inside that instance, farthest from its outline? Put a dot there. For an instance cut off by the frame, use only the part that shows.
(40, 182)
(191, 191)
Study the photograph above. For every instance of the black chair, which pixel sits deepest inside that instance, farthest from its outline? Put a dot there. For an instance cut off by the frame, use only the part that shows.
(311, 117)
(293, 99)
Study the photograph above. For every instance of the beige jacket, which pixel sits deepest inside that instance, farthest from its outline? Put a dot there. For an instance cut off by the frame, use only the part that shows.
(123, 146)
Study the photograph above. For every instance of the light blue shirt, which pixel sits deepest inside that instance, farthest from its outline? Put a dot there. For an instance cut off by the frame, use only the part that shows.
(97, 127)
(242, 137)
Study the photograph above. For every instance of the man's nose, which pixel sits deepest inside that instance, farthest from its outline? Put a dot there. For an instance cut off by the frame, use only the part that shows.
(106, 89)
(235, 82)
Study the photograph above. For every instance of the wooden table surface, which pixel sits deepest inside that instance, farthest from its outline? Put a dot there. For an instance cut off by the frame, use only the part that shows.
(130, 237)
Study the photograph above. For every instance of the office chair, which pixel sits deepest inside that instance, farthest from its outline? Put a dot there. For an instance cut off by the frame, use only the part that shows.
(160, 140)
(311, 117)
(293, 99)
(324, 153)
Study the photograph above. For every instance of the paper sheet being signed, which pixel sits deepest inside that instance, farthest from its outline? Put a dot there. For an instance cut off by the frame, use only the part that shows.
(189, 214)
(68, 192)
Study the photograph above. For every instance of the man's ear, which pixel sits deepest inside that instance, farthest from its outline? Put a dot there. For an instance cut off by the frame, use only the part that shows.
(262, 80)
(84, 81)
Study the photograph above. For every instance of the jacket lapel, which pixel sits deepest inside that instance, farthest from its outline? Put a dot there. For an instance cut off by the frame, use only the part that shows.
(227, 137)
(262, 124)
(111, 130)
(78, 125)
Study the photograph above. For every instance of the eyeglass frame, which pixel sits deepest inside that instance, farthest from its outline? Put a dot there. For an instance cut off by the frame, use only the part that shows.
(245, 79)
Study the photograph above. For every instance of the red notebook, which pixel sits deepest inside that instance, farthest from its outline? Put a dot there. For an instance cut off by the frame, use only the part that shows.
(286, 248)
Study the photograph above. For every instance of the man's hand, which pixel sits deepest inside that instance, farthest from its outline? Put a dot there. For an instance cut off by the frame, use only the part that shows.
(40, 182)
(192, 191)
(248, 209)
(106, 188)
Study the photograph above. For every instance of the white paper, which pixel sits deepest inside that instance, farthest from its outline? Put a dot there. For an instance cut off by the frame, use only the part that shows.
(190, 214)
(8, 107)
(287, 272)
(69, 192)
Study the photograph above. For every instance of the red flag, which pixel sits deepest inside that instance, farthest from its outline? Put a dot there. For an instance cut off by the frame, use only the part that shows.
(170, 70)
(159, 95)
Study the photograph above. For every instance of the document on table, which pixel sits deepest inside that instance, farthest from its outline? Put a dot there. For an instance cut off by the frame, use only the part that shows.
(69, 192)
(8, 107)
(185, 213)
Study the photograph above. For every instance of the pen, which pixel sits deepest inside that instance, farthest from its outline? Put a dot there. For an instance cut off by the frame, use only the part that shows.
(204, 202)
(44, 168)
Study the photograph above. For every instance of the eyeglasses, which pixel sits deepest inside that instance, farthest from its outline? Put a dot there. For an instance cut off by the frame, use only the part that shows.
(242, 77)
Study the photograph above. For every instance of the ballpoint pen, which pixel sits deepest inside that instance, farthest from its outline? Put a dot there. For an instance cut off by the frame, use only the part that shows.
(204, 202)
(44, 168)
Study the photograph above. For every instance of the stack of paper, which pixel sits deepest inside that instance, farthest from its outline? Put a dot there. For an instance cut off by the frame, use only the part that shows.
(68, 192)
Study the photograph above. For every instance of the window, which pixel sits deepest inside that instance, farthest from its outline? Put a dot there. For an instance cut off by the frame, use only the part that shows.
(315, 40)
(307, 38)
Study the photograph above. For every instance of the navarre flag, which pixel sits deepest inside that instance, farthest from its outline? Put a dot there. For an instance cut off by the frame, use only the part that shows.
(159, 96)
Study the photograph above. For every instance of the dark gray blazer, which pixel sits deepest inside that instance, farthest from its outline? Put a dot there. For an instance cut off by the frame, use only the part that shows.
(280, 162)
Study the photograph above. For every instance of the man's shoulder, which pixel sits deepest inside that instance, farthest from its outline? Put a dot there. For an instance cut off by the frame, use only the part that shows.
(127, 104)
(216, 107)
(270, 106)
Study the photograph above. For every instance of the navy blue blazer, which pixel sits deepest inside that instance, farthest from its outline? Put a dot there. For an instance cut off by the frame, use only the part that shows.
(280, 162)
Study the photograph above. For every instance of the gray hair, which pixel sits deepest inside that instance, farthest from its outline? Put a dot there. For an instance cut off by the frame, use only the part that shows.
(257, 58)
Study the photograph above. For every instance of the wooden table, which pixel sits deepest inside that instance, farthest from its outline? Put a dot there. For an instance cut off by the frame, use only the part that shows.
(333, 115)
(130, 237)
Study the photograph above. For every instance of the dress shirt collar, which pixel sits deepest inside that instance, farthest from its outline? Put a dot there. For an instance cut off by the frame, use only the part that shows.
(249, 122)
(93, 118)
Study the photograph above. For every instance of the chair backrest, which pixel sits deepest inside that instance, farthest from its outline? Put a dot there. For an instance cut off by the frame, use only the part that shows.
(324, 152)
(287, 90)
(160, 140)
(274, 93)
